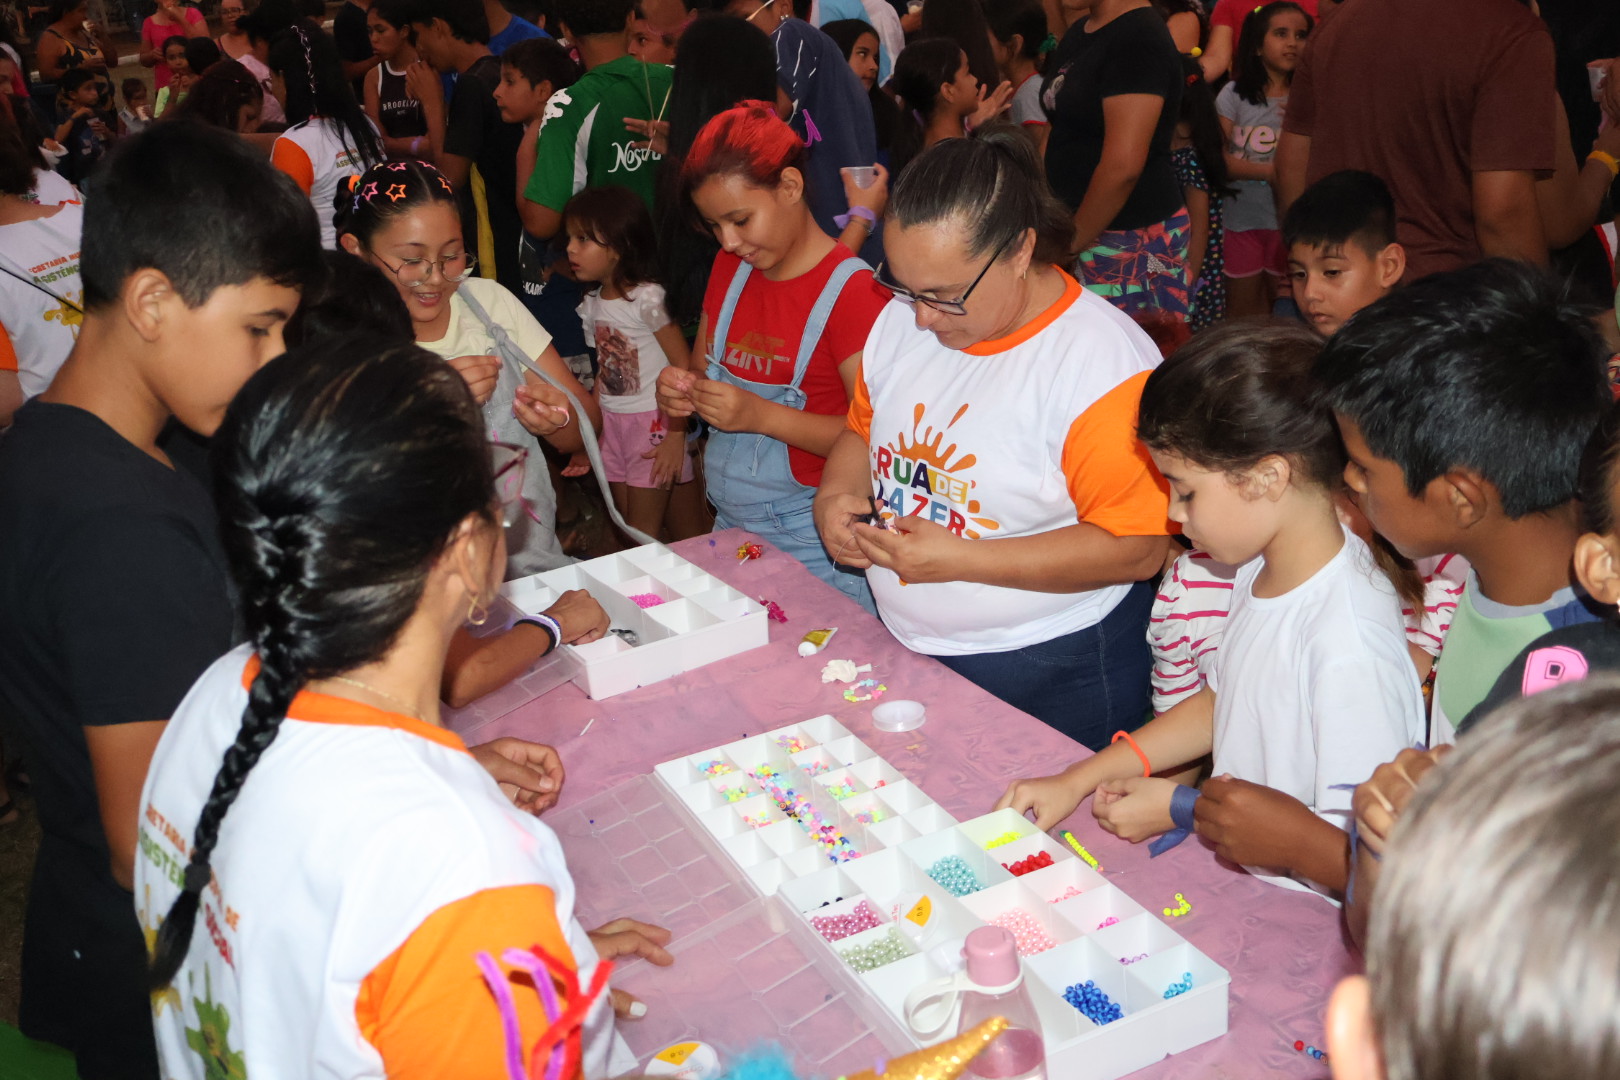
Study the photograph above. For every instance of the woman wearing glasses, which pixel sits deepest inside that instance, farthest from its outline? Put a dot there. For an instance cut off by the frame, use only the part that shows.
(402, 218)
(784, 319)
(995, 424)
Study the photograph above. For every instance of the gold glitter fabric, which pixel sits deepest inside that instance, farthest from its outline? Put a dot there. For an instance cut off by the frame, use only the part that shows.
(947, 1061)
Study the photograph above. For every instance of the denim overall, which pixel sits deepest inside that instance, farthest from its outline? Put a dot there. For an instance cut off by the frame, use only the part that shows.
(749, 479)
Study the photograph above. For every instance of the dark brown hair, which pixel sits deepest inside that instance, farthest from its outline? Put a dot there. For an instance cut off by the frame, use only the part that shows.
(1241, 392)
(618, 219)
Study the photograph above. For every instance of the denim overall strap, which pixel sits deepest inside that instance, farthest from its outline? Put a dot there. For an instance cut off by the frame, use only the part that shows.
(728, 308)
(749, 477)
(513, 358)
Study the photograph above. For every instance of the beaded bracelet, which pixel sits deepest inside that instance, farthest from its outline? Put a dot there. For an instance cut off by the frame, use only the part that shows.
(878, 690)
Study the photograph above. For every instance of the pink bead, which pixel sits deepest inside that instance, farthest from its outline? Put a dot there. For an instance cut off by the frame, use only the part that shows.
(1029, 935)
(837, 927)
(1068, 894)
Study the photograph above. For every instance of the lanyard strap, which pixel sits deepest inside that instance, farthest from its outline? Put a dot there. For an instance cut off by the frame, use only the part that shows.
(511, 354)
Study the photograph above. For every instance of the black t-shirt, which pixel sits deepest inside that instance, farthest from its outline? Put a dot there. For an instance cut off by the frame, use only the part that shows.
(113, 600)
(474, 130)
(352, 39)
(1567, 654)
(1133, 54)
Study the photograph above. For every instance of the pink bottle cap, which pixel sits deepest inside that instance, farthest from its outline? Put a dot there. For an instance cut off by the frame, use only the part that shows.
(992, 956)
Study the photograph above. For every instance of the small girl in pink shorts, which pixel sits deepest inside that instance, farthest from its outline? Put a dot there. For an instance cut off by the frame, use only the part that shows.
(1251, 110)
(611, 244)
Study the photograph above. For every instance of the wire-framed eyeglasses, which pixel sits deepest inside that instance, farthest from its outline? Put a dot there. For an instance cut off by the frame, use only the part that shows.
(453, 268)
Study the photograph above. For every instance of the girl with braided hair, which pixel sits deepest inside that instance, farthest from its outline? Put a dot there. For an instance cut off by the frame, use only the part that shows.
(329, 876)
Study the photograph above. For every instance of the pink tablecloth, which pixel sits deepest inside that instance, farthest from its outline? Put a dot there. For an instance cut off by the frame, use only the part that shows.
(1284, 949)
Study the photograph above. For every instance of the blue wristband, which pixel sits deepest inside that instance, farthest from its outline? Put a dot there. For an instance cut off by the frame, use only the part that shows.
(1181, 806)
(1182, 801)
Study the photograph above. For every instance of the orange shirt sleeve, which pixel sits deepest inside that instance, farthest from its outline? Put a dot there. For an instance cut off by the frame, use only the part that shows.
(291, 159)
(1110, 475)
(8, 351)
(860, 407)
(426, 1007)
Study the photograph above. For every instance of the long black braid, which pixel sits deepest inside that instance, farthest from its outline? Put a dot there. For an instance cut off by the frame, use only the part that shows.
(341, 471)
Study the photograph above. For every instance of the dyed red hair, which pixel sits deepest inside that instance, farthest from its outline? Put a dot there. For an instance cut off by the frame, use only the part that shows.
(748, 140)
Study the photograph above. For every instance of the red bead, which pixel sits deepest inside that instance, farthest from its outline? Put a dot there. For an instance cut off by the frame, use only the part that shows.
(1299, 1044)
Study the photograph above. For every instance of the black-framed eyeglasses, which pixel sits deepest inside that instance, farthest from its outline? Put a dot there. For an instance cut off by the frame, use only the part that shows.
(414, 272)
(948, 307)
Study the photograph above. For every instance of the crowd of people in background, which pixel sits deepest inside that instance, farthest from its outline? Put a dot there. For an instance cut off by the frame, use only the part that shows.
(1229, 386)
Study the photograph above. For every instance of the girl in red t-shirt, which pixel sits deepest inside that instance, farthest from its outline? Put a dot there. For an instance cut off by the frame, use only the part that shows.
(785, 318)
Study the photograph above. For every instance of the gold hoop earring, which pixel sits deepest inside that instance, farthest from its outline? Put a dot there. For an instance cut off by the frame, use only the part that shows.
(477, 615)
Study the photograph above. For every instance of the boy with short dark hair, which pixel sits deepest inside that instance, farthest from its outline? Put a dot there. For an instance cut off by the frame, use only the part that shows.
(531, 71)
(615, 87)
(135, 114)
(1466, 401)
(113, 587)
(1342, 253)
(77, 126)
(474, 147)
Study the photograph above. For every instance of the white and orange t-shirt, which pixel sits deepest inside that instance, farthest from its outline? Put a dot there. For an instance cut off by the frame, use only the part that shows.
(41, 297)
(1007, 438)
(367, 861)
(317, 154)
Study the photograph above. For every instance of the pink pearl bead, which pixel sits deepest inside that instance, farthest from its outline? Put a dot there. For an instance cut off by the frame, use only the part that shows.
(1029, 935)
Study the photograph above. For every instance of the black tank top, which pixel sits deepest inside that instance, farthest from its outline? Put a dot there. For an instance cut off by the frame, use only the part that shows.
(401, 114)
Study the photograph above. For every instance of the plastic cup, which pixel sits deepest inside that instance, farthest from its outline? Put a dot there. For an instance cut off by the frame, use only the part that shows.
(863, 175)
(915, 7)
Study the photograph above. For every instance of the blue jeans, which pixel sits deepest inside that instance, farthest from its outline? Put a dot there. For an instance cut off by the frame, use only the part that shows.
(795, 534)
(1088, 684)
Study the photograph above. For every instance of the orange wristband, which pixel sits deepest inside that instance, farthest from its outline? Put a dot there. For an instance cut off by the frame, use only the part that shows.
(1147, 768)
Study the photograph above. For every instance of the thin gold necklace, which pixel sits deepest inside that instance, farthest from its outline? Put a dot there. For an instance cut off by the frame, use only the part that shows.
(412, 713)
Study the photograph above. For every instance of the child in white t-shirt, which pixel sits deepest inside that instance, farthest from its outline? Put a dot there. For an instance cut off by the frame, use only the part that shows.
(611, 245)
(1312, 682)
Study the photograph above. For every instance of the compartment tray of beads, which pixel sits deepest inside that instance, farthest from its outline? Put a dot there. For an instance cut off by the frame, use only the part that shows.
(883, 884)
(668, 616)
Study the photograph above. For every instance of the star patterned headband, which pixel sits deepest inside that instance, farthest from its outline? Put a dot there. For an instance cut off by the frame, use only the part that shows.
(393, 192)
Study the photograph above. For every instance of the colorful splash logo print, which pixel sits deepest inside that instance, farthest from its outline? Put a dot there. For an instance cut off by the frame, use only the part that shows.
(921, 477)
(211, 1038)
